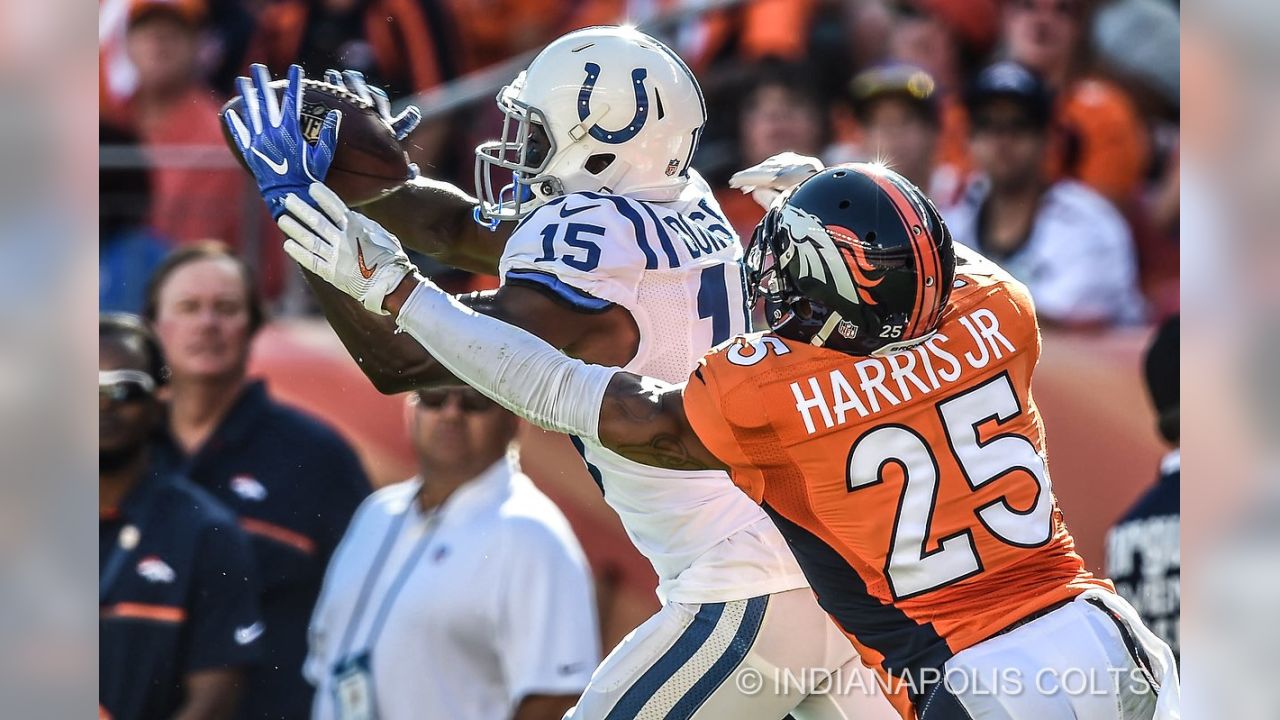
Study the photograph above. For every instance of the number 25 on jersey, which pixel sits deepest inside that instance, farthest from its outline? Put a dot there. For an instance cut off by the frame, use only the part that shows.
(911, 567)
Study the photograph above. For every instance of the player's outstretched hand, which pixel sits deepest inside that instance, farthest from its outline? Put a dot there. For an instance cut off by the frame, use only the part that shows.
(346, 249)
(271, 141)
(768, 180)
(353, 81)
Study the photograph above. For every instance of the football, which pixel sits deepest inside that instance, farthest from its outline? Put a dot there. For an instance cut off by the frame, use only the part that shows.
(368, 161)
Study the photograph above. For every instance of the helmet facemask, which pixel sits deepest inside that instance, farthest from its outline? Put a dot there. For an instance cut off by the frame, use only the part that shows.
(524, 150)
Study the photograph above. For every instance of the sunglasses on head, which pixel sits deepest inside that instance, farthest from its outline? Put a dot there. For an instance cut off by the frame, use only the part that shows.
(469, 400)
(125, 386)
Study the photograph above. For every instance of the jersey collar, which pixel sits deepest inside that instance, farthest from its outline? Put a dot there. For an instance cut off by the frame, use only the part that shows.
(476, 496)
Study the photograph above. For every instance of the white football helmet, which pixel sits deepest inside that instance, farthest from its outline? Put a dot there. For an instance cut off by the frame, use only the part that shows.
(603, 109)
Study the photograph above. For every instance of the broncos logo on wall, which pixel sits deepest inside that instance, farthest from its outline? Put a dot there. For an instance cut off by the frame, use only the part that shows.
(828, 254)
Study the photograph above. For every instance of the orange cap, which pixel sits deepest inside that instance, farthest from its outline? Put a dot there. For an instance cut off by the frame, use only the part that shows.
(190, 11)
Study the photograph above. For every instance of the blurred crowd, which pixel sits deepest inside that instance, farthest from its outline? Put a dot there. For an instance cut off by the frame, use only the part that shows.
(1045, 130)
(246, 571)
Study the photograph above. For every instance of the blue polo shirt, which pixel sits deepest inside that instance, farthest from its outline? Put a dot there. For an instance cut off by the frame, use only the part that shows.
(181, 595)
(294, 484)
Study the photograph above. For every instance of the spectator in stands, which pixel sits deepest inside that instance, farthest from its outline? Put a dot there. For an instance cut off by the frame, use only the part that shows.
(401, 46)
(781, 111)
(128, 250)
(1106, 144)
(1140, 38)
(898, 110)
(460, 593)
(293, 482)
(178, 617)
(1143, 555)
(1065, 241)
(943, 38)
(229, 25)
(920, 35)
(491, 31)
(748, 32)
(172, 110)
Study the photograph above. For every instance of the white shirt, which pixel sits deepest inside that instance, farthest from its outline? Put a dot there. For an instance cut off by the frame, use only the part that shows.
(1079, 260)
(677, 268)
(499, 605)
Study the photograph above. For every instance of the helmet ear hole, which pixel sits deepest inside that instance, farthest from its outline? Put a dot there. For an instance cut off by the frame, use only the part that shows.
(599, 162)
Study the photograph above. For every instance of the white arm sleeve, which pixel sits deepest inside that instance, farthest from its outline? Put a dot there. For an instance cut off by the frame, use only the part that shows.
(516, 368)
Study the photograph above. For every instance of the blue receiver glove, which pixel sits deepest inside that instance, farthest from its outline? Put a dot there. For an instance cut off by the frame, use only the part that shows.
(353, 82)
(281, 159)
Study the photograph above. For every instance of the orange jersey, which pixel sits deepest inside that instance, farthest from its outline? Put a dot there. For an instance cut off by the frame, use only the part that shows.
(912, 488)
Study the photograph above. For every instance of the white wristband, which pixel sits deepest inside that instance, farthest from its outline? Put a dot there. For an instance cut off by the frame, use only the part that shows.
(516, 368)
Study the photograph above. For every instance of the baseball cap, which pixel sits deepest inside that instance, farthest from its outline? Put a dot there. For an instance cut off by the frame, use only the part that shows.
(190, 11)
(1009, 80)
(900, 80)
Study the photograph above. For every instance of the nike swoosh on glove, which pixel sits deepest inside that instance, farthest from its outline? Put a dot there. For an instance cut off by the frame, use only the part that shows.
(272, 144)
(768, 180)
(346, 249)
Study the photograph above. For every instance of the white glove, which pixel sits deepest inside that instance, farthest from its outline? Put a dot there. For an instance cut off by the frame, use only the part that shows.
(348, 250)
(774, 176)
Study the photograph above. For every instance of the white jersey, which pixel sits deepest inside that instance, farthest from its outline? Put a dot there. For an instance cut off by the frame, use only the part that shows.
(460, 612)
(677, 267)
(1078, 261)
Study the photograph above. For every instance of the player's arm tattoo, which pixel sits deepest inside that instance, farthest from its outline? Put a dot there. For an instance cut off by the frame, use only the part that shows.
(649, 425)
(435, 219)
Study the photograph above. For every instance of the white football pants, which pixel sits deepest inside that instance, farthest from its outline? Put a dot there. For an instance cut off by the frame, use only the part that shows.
(756, 659)
(1092, 658)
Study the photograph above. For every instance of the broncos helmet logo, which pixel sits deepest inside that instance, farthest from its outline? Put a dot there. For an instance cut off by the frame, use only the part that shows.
(819, 258)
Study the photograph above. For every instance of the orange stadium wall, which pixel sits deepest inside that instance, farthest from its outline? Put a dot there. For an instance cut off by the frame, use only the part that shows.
(1103, 447)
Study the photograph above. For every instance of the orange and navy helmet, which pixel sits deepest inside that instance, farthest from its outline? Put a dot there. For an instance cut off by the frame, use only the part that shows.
(855, 259)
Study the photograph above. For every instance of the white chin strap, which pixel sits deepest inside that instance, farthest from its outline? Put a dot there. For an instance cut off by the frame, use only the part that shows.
(820, 337)
(582, 129)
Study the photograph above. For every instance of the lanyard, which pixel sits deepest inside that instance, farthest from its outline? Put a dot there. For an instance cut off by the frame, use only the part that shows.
(375, 571)
(127, 541)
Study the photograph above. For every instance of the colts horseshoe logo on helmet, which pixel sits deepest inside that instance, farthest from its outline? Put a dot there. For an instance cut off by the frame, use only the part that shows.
(626, 132)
